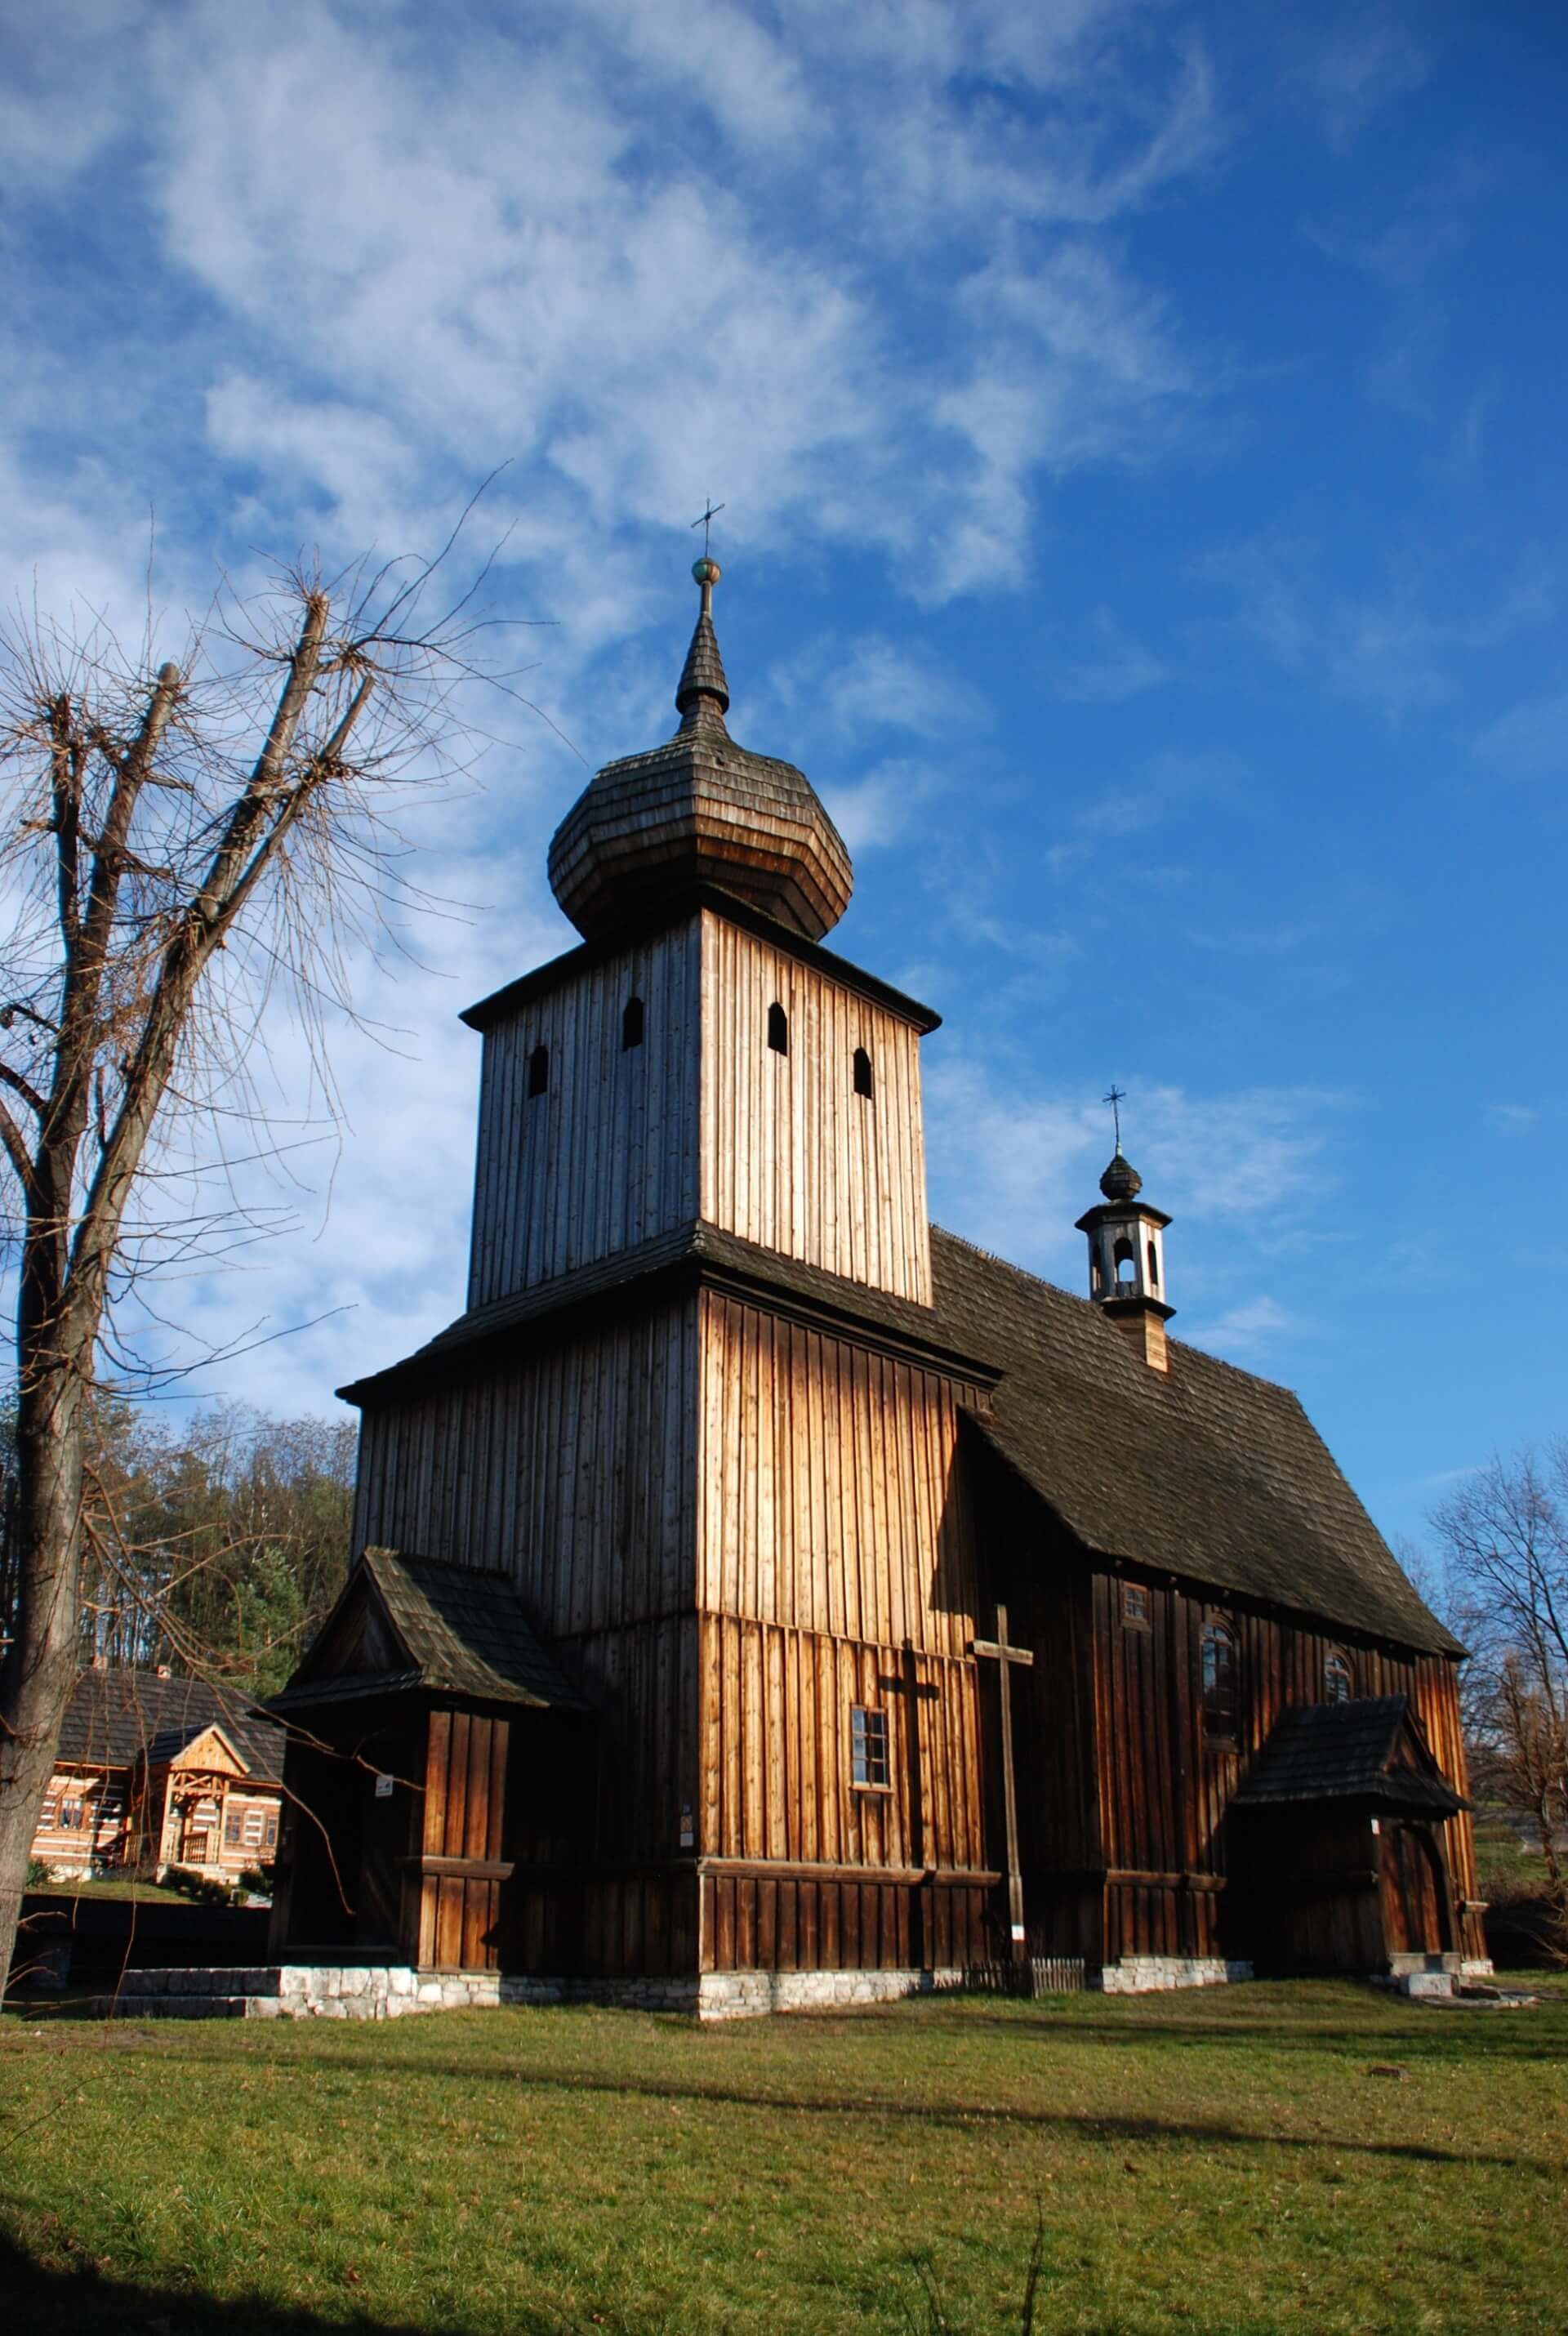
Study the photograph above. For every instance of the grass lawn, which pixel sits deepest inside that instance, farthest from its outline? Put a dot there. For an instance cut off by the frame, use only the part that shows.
(1238, 2162)
(113, 1885)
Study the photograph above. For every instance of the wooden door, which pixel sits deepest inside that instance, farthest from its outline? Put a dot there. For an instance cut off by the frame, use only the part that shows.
(1414, 1891)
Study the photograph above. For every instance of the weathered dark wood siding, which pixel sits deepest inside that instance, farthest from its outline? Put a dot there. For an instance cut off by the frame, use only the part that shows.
(1164, 1787)
(792, 1157)
(837, 1566)
(607, 1156)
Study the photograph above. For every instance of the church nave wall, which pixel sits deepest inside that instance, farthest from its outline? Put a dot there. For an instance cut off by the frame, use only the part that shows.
(606, 1155)
(575, 1471)
(1166, 1776)
(792, 1157)
(776, 1761)
(830, 1498)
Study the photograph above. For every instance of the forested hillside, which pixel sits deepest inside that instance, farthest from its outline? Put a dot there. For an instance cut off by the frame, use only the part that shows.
(218, 1542)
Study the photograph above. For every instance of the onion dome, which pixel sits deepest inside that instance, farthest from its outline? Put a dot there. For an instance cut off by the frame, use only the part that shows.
(699, 810)
(1121, 1180)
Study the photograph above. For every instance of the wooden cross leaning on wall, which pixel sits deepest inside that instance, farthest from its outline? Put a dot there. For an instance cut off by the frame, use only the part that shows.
(1004, 1656)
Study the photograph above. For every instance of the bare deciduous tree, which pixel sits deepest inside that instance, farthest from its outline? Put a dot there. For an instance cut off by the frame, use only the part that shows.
(175, 846)
(1503, 1536)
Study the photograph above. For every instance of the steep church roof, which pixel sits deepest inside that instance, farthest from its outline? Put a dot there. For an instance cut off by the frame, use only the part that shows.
(1204, 1471)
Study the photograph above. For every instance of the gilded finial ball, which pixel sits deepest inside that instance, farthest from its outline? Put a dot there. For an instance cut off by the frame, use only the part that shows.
(706, 570)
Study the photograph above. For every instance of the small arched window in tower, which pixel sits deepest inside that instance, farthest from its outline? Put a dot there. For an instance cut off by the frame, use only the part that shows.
(539, 1072)
(1217, 1656)
(631, 1023)
(778, 1029)
(1126, 1263)
(862, 1072)
(1338, 1684)
(1153, 1268)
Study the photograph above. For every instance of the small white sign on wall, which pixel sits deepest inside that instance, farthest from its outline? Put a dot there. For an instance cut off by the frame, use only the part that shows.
(383, 1788)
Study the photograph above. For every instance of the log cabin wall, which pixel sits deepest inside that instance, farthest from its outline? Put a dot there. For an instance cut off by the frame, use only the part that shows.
(576, 1469)
(836, 1562)
(1165, 1785)
(606, 1155)
(792, 1157)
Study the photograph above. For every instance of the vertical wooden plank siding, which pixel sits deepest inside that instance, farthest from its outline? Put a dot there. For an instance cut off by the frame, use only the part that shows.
(574, 1470)
(1165, 1786)
(837, 1566)
(791, 1156)
(606, 1157)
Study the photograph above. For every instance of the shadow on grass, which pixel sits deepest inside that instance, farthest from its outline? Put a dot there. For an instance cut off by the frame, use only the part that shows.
(963, 2115)
(35, 2300)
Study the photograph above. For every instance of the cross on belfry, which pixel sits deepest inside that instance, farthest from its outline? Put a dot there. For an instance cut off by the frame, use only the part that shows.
(1116, 1099)
(706, 520)
(1003, 1657)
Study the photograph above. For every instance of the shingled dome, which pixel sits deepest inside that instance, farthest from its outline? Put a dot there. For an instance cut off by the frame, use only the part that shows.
(699, 810)
(1121, 1180)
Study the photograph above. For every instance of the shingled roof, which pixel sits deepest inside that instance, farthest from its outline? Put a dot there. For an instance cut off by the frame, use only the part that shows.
(459, 1632)
(116, 1717)
(1347, 1752)
(1203, 1470)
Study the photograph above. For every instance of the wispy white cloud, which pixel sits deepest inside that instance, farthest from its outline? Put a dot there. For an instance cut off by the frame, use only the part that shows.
(1530, 742)
(1343, 73)
(1255, 1328)
(1395, 651)
(1110, 666)
(1014, 1163)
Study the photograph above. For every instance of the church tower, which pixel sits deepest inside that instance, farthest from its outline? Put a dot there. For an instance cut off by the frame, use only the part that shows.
(701, 1411)
(700, 1060)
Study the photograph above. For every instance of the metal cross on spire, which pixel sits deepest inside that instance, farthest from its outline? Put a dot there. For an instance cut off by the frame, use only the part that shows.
(705, 519)
(1116, 1099)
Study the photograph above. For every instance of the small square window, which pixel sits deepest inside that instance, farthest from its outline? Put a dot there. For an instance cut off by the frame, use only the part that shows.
(868, 1746)
(1137, 1608)
(71, 1817)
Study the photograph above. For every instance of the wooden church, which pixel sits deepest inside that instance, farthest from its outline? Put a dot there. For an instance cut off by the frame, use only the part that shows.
(765, 1596)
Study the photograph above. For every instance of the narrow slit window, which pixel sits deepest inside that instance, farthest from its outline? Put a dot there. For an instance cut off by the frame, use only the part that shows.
(1153, 1268)
(1218, 1658)
(864, 1085)
(1337, 1686)
(1137, 1611)
(869, 1747)
(631, 1023)
(539, 1072)
(778, 1029)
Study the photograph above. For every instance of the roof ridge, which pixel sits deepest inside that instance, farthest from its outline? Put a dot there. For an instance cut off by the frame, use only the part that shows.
(1075, 1297)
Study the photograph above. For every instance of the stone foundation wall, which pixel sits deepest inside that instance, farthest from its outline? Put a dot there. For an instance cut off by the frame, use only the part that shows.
(1146, 1974)
(354, 1992)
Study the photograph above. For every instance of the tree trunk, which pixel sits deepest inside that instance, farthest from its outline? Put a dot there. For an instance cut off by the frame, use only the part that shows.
(40, 1667)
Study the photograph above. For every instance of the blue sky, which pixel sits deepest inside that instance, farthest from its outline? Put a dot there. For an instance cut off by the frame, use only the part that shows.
(1139, 430)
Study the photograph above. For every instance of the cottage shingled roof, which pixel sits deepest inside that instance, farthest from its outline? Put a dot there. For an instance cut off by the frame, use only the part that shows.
(464, 1632)
(1345, 1752)
(118, 1716)
(1202, 1470)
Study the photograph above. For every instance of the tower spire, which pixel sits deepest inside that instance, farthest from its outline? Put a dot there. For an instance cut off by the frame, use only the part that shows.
(702, 694)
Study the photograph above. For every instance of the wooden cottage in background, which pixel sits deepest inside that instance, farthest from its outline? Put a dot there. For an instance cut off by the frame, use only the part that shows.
(766, 1593)
(154, 1772)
